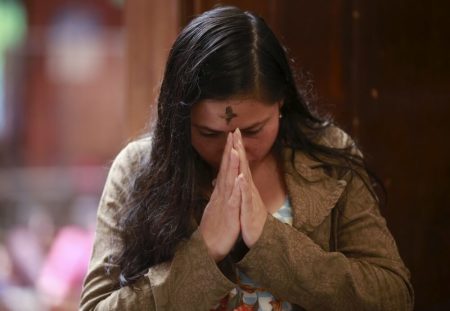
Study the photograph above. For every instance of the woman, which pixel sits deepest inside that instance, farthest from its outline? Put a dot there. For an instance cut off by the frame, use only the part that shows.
(242, 199)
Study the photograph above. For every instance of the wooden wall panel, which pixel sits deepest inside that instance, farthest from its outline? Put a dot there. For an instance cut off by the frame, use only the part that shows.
(403, 109)
(152, 26)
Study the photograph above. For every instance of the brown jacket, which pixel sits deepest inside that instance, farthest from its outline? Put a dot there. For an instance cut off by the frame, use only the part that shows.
(338, 255)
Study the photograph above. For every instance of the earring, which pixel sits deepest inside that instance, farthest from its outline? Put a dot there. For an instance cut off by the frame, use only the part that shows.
(281, 115)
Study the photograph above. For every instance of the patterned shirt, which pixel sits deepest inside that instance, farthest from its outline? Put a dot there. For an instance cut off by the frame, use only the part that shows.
(249, 296)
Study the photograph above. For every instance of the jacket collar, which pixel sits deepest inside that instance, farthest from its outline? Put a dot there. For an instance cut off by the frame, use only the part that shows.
(312, 192)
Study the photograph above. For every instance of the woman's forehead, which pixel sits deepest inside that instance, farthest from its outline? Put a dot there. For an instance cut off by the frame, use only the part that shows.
(231, 108)
(222, 114)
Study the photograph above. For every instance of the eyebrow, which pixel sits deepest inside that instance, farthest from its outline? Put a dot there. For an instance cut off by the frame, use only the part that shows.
(248, 128)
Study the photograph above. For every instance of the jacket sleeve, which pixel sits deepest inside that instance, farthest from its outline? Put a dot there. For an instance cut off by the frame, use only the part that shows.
(191, 281)
(365, 273)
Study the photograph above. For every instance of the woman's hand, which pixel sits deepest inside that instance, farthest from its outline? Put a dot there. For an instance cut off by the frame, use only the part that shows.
(253, 213)
(220, 221)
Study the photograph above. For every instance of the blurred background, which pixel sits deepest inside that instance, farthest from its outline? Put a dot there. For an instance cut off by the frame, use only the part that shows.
(78, 79)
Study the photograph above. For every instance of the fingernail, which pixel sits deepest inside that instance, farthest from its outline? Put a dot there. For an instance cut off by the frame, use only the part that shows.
(234, 138)
(237, 135)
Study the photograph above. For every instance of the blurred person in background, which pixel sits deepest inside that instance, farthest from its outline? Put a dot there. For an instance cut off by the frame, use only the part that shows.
(241, 197)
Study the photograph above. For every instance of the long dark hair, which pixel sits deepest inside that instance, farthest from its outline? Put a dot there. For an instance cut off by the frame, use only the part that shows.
(221, 54)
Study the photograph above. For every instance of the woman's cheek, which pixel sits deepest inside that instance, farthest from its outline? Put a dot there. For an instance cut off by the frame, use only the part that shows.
(210, 150)
(256, 149)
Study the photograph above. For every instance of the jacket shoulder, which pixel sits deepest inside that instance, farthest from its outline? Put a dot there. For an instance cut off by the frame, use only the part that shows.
(133, 153)
(335, 137)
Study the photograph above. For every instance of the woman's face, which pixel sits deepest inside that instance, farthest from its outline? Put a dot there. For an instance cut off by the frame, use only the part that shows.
(211, 120)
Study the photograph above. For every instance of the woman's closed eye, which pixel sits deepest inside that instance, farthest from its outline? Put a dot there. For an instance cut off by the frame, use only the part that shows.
(210, 134)
(251, 132)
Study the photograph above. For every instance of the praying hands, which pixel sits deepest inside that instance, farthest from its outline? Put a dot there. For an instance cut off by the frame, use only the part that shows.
(235, 206)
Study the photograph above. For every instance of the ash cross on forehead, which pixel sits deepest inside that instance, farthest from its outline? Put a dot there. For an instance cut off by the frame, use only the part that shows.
(229, 114)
